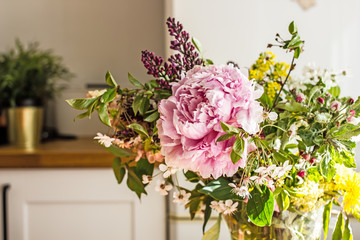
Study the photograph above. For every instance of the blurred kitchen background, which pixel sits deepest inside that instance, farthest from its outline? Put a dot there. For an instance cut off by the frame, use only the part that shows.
(94, 36)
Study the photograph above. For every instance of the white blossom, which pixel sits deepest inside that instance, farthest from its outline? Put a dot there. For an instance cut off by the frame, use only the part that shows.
(273, 116)
(216, 206)
(146, 179)
(95, 93)
(229, 207)
(167, 170)
(163, 188)
(181, 197)
(241, 191)
(104, 140)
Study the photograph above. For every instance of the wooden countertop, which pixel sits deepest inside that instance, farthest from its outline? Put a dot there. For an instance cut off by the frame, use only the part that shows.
(80, 153)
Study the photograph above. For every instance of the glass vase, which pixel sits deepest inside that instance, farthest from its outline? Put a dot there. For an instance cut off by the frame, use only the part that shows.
(285, 225)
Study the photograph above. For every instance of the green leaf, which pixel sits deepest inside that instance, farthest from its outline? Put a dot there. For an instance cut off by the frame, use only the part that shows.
(339, 228)
(136, 104)
(109, 95)
(103, 114)
(238, 146)
(228, 128)
(327, 167)
(197, 44)
(225, 137)
(293, 107)
(119, 152)
(214, 232)
(191, 176)
(234, 156)
(83, 115)
(347, 235)
(152, 117)
(119, 169)
(134, 183)
(207, 212)
(110, 80)
(348, 159)
(144, 105)
(260, 206)
(326, 218)
(297, 52)
(283, 200)
(209, 62)
(292, 28)
(144, 167)
(345, 132)
(335, 91)
(82, 103)
(194, 207)
(139, 129)
(134, 81)
(220, 190)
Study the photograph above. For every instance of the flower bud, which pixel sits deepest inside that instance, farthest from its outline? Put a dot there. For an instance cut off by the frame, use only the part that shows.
(306, 156)
(351, 101)
(312, 160)
(335, 106)
(320, 100)
(301, 173)
(300, 98)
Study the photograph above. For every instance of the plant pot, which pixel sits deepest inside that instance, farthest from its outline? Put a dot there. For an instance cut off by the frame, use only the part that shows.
(25, 126)
(285, 225)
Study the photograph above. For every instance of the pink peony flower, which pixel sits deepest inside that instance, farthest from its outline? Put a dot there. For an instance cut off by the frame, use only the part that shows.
(190, 119)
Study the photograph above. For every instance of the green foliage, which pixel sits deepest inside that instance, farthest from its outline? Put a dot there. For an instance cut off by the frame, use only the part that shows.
(339, 228)
(110, 80)
(219, 189)
(134, 81)
(139, 129)
(260, 206)
(326, 218)
(347, 234)
(30, 73)
(119, 169)
(214, 232)
(207, 212)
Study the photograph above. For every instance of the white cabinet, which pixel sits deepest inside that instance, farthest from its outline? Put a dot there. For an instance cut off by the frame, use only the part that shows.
(48, 204)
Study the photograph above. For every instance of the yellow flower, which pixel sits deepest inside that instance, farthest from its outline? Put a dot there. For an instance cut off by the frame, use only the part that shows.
(280, 70)
(271, 89)
(351, 200)
(311, 199)
(342, 174)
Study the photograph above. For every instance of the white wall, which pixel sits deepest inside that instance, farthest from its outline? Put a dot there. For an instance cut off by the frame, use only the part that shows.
(93, 36)
(240, 29)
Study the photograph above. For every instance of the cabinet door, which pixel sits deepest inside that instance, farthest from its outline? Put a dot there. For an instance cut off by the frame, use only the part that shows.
(79, 204)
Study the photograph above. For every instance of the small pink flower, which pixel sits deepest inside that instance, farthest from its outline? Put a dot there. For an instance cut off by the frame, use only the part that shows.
(335, 106)
(306, 156)
(300, 98)
(154, 157)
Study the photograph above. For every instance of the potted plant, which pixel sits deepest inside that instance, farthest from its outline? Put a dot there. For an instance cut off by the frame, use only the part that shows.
(28, 77)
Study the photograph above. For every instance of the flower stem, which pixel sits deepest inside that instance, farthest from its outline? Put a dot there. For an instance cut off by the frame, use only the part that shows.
(282, 85)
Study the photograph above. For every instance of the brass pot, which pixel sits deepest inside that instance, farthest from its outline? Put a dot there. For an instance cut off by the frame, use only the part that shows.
(24, 126)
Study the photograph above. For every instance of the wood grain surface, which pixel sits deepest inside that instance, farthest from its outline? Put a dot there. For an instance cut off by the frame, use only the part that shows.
(80, 153)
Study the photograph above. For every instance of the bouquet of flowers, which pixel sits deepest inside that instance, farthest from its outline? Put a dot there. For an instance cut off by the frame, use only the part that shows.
(268, 153)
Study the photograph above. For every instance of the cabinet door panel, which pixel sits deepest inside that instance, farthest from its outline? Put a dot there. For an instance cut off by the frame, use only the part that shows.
(79, 204)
